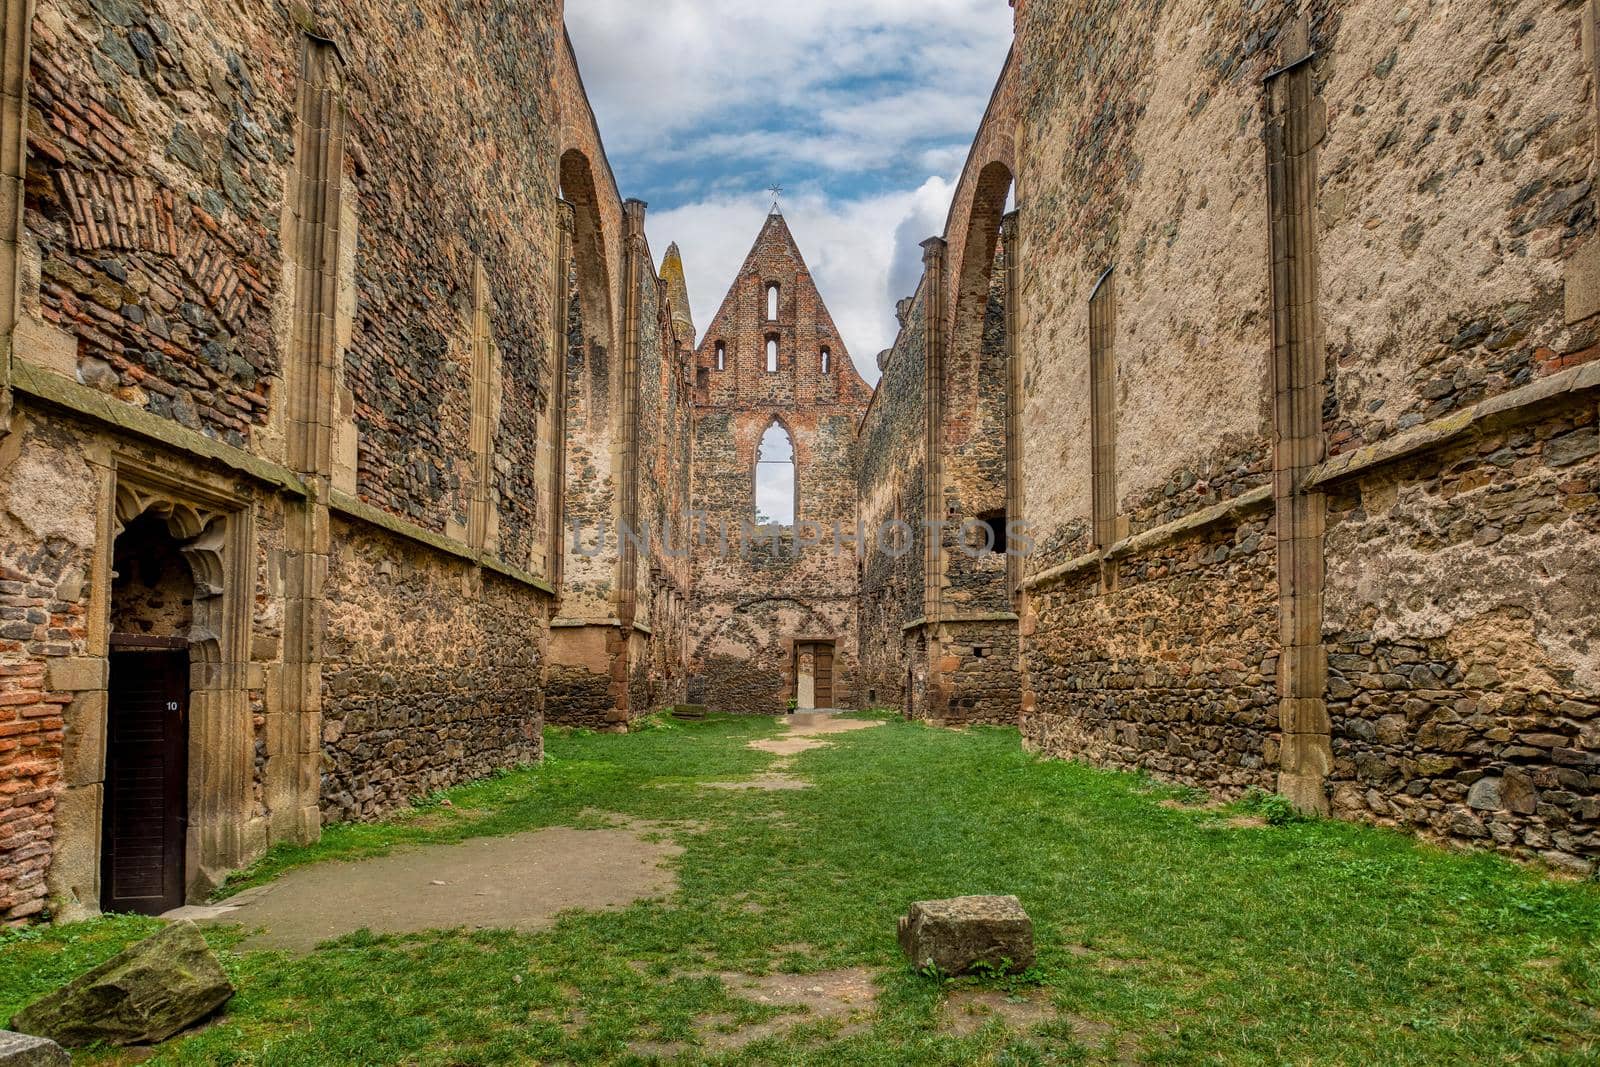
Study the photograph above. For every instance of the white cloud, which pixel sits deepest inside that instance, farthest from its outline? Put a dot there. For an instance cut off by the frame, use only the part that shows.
(864, 254)
(870, 74)
(864, 108)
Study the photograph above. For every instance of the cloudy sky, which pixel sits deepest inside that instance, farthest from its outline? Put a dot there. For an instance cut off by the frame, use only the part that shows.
(861, 109)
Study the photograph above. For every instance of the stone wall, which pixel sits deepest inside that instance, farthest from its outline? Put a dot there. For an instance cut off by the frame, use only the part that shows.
(1463, 681)
(431, 673)
(934, 621)
(754, 596)
(1445, 248)
(628, 411)
(245, 308)
(892, 445)
(1174, 670)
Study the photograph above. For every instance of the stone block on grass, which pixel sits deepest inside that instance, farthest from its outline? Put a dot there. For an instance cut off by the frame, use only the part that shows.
(25, 1050)
(141, 996)
(964, 934)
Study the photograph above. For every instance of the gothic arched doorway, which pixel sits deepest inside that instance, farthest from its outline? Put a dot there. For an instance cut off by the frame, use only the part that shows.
(145, 823)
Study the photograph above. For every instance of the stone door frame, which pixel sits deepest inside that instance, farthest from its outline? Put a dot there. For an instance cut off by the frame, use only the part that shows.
(214, 525)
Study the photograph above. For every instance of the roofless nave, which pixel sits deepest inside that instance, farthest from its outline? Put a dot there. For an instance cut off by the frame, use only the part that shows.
(324, 327)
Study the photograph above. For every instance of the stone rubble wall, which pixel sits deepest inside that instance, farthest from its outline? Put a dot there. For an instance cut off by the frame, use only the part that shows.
(1454, 220)
(1174, 672)
(1464, 683)
(431, 674)
(160, 289)
(892, 485)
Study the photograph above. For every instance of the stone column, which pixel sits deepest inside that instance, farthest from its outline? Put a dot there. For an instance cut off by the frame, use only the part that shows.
(935, 359)
(555, 451)
(16, 21)
(312, 239)
(1011, 264)
(635, 256)
(1294, 126)
(933, 259)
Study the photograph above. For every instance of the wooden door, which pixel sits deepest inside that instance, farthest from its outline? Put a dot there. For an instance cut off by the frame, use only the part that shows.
(824, 676)
(146, 790)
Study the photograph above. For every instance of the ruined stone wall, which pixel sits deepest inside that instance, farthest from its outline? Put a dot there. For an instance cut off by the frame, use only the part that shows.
(892, 447)
(979, 665)
(1449, 235)
(659, 675)
(1461, 635)
(639, 665)
(973, 477)
(753, 598)
(431, 673)
(47, 537)
(1175, 671)
(963, 668)
(158, 138)
(409, 361)
(172, 303)
(58, 483)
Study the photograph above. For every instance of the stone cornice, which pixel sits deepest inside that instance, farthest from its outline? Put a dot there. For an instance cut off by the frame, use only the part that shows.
(1261, 496)
(349, 506)
(63, 392)
(1514, 406)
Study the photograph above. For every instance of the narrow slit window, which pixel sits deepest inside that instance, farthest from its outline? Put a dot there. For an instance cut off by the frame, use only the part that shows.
(722, 356)
(775, 478)
(827, 362)
(772, 355)
(772, 302)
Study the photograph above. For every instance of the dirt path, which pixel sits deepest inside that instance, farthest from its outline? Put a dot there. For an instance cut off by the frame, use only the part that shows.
(521, 881)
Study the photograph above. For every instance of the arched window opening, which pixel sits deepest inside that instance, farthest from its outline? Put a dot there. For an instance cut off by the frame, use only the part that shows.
(827, 362)
(775, 478)
(772, 302)
(722, 356)
(772, 355)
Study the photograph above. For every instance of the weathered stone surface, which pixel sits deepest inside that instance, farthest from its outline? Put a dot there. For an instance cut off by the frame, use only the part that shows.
(757, 595)
(958, 934)
(25, 1050)
(140, 996)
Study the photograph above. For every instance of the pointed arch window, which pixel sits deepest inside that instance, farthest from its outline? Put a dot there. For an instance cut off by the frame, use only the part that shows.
(772, 301)
(722, 355)
(776, 490)
(772, 354)
(827, 360)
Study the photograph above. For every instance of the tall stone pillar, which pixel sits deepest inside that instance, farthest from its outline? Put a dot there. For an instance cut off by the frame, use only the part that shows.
(16, 19)
(294, 715)
(1015, 505)
(1294, 128)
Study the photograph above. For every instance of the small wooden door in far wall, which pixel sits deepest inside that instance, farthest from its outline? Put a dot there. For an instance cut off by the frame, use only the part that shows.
(814, 674)
(825, 675)
(147, 780)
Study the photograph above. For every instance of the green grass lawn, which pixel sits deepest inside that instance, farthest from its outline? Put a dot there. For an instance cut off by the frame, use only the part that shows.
(1189, 940)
